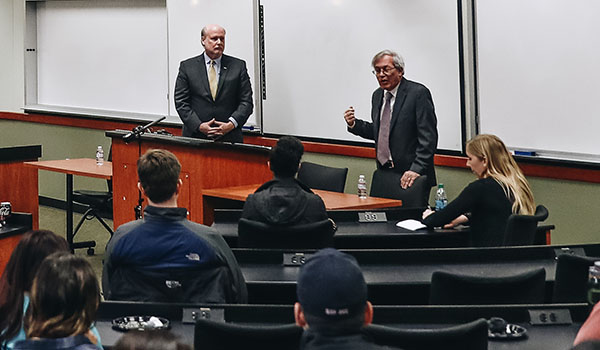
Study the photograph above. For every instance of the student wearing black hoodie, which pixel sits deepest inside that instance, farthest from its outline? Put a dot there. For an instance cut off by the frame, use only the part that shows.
(285, 200)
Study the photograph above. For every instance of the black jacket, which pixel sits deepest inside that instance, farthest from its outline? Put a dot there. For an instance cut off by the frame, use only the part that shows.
(284, 202)
(312, 340)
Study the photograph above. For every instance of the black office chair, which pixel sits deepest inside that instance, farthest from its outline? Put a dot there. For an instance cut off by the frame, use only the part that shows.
(520, 229)
(570, 280)
(205, 284)
(97, 204)
(455, 289)
(255, 234)
(212, 335)
(468, 336)
(321, 177)
(386, 184)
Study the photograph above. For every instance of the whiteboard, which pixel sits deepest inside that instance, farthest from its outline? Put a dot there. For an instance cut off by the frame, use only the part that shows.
(106, 55)
(186, 20)
(318, 55)
(538, 73)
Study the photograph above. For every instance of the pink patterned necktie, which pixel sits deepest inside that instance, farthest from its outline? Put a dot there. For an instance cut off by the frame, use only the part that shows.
(383, 140)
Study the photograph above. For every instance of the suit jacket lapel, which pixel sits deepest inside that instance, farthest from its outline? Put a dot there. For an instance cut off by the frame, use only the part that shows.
(223, 75)
(204, 77)
(400, 97)
(377, 110)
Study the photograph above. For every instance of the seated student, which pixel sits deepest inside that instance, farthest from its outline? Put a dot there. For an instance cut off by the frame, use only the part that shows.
(285, 200)
(165, 240)
(64, 299)
(487, 203)
(15, 285)
(332, 303)
(150, 340)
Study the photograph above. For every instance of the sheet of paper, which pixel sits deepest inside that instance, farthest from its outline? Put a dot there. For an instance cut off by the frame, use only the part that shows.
(410, 224)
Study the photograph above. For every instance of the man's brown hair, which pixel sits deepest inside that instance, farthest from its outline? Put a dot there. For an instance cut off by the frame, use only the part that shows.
(158, 172)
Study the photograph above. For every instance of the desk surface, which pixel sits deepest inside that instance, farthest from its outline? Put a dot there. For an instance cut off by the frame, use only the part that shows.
(81, 166)
(333, 200)
(559, 337)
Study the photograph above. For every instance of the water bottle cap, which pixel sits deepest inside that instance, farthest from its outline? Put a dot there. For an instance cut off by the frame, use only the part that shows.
(440, 185)
(361, 175)
(597, 263)
(99, 147)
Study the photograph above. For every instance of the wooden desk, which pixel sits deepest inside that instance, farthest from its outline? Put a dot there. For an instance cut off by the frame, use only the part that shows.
(21, 185)
(214, 198)
(81, 167)
(10, 235)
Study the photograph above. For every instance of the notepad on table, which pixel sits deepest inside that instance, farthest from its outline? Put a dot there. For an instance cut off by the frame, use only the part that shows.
(411, 224)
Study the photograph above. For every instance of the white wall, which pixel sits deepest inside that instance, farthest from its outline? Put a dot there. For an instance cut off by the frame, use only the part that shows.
(12, 28)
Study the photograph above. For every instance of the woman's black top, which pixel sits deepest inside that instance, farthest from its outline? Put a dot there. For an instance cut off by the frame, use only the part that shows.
(489, 210)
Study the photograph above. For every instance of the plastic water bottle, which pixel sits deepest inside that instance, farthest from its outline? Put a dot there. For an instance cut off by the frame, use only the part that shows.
(362, 187)
(593, 295)
(99, 156)
(440, 198)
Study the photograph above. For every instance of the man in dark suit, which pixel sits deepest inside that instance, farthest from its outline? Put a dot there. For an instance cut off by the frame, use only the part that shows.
(213, 95)
(403, 122)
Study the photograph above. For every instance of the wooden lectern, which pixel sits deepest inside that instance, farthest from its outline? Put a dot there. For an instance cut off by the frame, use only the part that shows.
(204, 164)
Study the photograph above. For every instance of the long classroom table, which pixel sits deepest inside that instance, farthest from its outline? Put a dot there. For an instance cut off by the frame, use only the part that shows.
(353, 234)
(547, 337)
(399, 276)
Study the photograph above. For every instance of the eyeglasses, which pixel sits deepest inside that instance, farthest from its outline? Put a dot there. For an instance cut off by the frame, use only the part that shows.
(385, 70)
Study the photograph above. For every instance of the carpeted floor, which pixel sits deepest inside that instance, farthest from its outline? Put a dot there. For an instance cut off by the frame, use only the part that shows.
(55, 220)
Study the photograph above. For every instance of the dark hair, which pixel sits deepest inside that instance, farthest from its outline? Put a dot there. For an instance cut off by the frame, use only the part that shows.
(64, 298)
(18, 276)
(150, 340)
(158, 172)
(285, 156)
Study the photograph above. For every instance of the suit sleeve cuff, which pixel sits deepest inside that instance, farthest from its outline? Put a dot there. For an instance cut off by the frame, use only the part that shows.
(235, 123)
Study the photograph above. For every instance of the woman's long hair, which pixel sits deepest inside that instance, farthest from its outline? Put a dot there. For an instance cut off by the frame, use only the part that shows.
(502, 167)
(64, 298)
(18, 276)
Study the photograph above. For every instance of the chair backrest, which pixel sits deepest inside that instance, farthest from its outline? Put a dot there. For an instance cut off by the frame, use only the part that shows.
(520, 229)
(256, 234)
(212, 335)
(386, 184)
(321, 177)
(209, 284)
(468, 336)
(587, 345)
(570, 281)
(455, 289)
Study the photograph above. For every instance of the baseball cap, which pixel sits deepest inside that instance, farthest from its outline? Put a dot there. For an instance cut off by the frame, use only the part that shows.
(331, 286)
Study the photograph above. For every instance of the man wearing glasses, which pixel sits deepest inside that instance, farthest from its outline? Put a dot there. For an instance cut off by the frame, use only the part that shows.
(404, 125)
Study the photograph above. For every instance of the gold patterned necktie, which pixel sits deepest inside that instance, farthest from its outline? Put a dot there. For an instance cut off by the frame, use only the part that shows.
(212, 79)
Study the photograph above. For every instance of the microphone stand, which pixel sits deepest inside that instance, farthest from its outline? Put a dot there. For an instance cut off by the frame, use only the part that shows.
(135, 134)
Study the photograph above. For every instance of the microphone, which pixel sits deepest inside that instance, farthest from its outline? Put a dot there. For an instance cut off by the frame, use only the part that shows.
(139, 130)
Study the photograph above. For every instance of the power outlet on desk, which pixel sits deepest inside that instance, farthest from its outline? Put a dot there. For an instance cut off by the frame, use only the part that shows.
(295, 259)
(191, 315)
(550, 317)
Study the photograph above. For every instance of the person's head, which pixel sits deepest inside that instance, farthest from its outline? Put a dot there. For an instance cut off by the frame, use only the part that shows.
(489, 157)
(213, 40)
(388, 67)
(158, 172)
(64, 298)
(332, 294)
(150, 340)
(285, 157)
(18, 276)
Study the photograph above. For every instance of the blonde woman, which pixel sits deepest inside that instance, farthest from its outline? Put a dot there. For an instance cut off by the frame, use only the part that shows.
(486, 204)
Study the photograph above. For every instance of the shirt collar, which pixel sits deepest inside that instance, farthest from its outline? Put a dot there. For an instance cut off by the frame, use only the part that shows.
(208, 59)
(393, 91)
